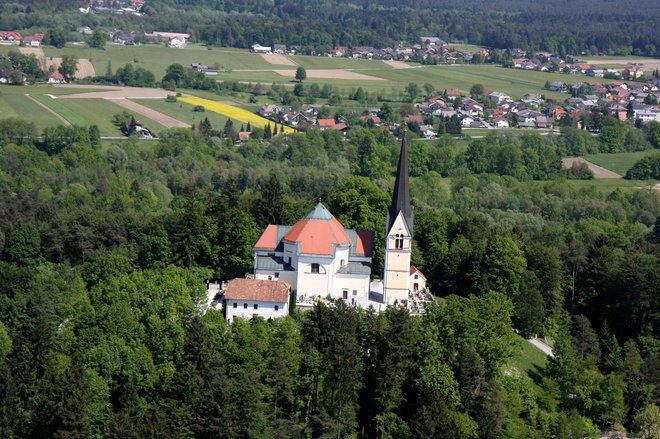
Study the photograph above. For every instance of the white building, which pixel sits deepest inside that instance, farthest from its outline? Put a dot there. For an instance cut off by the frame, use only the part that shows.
(399, 233)
(317, 256)
(417, 279)
(257, 48)
(248, 298)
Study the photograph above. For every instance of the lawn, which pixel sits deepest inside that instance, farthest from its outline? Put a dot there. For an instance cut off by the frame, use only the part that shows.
(156, 57)
(14, 103)
(528, 361)
(607, 185)
(620, 162)
(183, 112)
(86, 112)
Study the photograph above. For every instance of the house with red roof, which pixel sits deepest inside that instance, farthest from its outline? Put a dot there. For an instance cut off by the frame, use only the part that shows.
(331, 124)
(10, 38)
(247, 298)
(417, 279)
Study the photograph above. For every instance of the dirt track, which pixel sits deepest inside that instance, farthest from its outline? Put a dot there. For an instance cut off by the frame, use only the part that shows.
(648, 63)
(330, 74)
(397, 64)
(163, 119)
(599, 171)
(277, 59)
(114, 92)
(50, 110)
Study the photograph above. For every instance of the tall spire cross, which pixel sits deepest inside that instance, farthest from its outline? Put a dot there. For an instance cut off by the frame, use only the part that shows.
(401, 194)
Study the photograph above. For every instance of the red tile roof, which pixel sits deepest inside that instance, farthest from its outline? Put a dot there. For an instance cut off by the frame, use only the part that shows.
(365, 243)
(318, 237)
(10, 36)
(258, 290)
(414, 270)
(268, 239)
(329, 123)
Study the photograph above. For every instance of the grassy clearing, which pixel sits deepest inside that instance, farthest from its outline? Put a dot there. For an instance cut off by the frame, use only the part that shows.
(183, 112)
(607, 185)
(86, 112)
(621, 162)
(156, 57)
(528, 361)
(15, 103)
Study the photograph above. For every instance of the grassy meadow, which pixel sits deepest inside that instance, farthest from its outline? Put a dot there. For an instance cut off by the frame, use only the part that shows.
(183, 112)
(620, 162)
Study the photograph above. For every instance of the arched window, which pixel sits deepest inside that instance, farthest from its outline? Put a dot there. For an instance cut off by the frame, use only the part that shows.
(398, 241)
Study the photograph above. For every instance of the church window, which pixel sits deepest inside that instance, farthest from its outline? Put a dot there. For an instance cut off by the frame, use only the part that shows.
(398, 241)
(256, 306)
(315, 268)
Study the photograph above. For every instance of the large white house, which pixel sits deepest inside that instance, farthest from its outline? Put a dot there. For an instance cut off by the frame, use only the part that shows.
(317, 256)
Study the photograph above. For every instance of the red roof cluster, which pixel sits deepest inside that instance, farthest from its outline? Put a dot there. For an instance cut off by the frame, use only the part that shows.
(10, 36)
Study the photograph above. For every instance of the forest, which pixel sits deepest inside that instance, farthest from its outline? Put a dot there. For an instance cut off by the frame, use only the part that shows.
(624, 28)
(106, 248)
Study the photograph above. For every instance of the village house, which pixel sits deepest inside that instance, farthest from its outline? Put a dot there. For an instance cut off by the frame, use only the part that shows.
(247, 298)
(35, 40)
(331, 124)
(56, 78)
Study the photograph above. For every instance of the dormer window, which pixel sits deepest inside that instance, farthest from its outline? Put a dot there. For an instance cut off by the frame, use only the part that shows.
(398, 241)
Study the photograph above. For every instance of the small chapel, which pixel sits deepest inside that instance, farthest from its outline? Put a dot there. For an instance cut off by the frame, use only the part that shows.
(319, 258)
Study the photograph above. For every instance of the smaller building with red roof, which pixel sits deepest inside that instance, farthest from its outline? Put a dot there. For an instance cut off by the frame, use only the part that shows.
(249, 297)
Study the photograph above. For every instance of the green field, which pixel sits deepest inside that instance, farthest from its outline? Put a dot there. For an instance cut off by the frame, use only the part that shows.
(85, 112)
(606, 185)
(241, 65)
(183, 112)
(14, 103)
(527, 361)
(621, 162)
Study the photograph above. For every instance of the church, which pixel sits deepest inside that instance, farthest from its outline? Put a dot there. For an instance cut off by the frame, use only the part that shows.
(319, 258)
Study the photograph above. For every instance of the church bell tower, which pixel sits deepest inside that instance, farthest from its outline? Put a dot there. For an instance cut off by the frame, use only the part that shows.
(399, 234)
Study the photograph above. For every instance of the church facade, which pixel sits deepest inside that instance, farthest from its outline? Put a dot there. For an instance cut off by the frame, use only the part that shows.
(319, 258)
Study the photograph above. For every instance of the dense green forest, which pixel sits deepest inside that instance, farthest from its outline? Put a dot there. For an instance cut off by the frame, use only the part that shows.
(614, 28)
(106, 247)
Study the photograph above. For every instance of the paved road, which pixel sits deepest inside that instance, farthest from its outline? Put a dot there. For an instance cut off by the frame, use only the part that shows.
(547, 350)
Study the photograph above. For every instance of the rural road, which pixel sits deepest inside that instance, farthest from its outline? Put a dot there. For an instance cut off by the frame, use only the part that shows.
(599, 171)
(547, 350)
(163, 119)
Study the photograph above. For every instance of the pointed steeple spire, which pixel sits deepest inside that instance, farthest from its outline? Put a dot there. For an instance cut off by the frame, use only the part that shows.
(401, 195)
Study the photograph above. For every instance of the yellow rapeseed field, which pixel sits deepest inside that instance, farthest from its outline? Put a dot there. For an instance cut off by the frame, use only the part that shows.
(231, 112)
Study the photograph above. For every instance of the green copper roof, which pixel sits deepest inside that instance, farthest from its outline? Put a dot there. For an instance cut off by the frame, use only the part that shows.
(320, 212)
